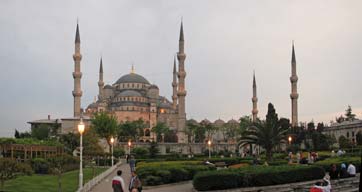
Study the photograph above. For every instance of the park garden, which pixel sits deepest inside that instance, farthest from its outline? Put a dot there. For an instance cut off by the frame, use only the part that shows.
(44, 160)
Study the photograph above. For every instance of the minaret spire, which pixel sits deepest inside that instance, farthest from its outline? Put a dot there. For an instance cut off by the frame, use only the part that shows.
(294, 94)
(77, 75)
(181, 92)
(100, 81)
(174, 85)
(255, 100)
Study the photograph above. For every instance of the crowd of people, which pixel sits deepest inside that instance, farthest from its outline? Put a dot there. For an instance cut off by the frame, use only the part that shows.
(135, 184)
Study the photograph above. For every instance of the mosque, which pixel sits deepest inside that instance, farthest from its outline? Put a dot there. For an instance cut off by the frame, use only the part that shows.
(133, 97)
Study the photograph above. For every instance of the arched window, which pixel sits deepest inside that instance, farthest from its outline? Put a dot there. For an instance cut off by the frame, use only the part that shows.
(347, 134)
(147, 133)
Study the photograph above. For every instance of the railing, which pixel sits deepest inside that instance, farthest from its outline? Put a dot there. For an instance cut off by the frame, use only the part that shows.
(99, 178)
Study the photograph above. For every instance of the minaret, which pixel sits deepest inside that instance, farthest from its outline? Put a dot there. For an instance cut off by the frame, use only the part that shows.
(181, 92)
(174, 86)
(77, 75)
(100, 82)
(294, 93)
(255, 100)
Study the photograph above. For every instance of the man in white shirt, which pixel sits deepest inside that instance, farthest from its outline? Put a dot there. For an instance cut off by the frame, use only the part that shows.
(118, 183)
(351, 170)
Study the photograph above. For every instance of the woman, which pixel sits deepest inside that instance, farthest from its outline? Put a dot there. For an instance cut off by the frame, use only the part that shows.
(135, 184)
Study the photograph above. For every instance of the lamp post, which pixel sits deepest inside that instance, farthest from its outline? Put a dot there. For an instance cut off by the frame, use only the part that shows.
(112, 141)
(209, 143)
(290, 140)
(129, 147)
(81, 131)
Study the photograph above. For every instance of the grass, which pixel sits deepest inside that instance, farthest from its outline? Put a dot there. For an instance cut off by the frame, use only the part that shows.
(49, 183)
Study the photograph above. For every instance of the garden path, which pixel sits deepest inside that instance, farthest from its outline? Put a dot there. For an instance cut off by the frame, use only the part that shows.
(106, 184)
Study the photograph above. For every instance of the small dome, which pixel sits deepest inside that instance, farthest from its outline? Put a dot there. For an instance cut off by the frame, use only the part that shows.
(153, 86)
(130, 93)
(108, 87)
(219, 122)
(233, 121)
(205, 121)
(192, 121)
(132, 78)
(92, 105)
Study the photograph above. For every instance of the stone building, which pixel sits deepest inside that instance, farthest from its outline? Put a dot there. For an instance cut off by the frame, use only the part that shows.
(348, 129)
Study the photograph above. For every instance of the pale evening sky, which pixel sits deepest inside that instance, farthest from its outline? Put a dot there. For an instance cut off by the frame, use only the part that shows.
(224, 42)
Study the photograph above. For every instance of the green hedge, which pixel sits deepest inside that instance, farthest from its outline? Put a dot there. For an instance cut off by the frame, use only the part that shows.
(156, 173)
(255, 176)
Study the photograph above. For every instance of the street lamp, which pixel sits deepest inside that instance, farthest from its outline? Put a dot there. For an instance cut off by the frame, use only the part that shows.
(290, 140)
(81, 131)
(129, 147)
(209, 143)
(112, 141)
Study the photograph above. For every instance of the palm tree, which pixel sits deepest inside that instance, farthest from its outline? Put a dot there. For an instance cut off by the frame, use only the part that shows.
(267, 134)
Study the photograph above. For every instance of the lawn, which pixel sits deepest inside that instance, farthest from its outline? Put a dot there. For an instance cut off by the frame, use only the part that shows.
(49, 183)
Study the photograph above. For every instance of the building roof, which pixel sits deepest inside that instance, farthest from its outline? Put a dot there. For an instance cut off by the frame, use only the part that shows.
(108, 87)
(45, 121)
(130, 93)
(132, 78)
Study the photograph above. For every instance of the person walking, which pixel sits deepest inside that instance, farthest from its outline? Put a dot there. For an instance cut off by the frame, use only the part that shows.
(118, 183)
(135, 184)
(132, 163)
(351, 170)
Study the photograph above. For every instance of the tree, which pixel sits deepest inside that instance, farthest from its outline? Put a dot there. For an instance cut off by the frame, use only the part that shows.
(160, 129)
(344, 142)
(57, 166)
(340, 119)
(40, 132)
(70, 142)
(349, 115)
(9, 169)
(105, 126)
(17, 134)
(359, 138)
(195, 131)
(153, 150)
(131, 129)
(268, 134)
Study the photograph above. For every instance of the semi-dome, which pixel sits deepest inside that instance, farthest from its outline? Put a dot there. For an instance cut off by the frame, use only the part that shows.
(132, 78)
(130, 93)
(108, 87)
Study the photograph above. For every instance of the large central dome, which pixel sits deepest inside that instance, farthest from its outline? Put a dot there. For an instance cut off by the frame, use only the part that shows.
(132, 78)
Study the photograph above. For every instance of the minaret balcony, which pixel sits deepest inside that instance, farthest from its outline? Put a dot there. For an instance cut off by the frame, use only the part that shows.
(181, 56)
(77, 56)
(181, 93)
(77, 74)
(294, 95)
(77, 93)
(294, 79)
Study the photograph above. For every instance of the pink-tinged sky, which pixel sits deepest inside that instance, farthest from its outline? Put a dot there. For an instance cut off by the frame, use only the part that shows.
(225, 42)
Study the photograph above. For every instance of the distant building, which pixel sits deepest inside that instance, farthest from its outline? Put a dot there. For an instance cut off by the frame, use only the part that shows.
(348, 129)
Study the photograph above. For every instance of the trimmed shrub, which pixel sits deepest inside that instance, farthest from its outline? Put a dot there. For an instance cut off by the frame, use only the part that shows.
(216, 180)
(255, 176)
(40, 166)
(140, 152)
(156, 173)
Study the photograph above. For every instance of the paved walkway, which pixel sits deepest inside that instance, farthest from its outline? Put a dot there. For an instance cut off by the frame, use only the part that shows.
(106, 184)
